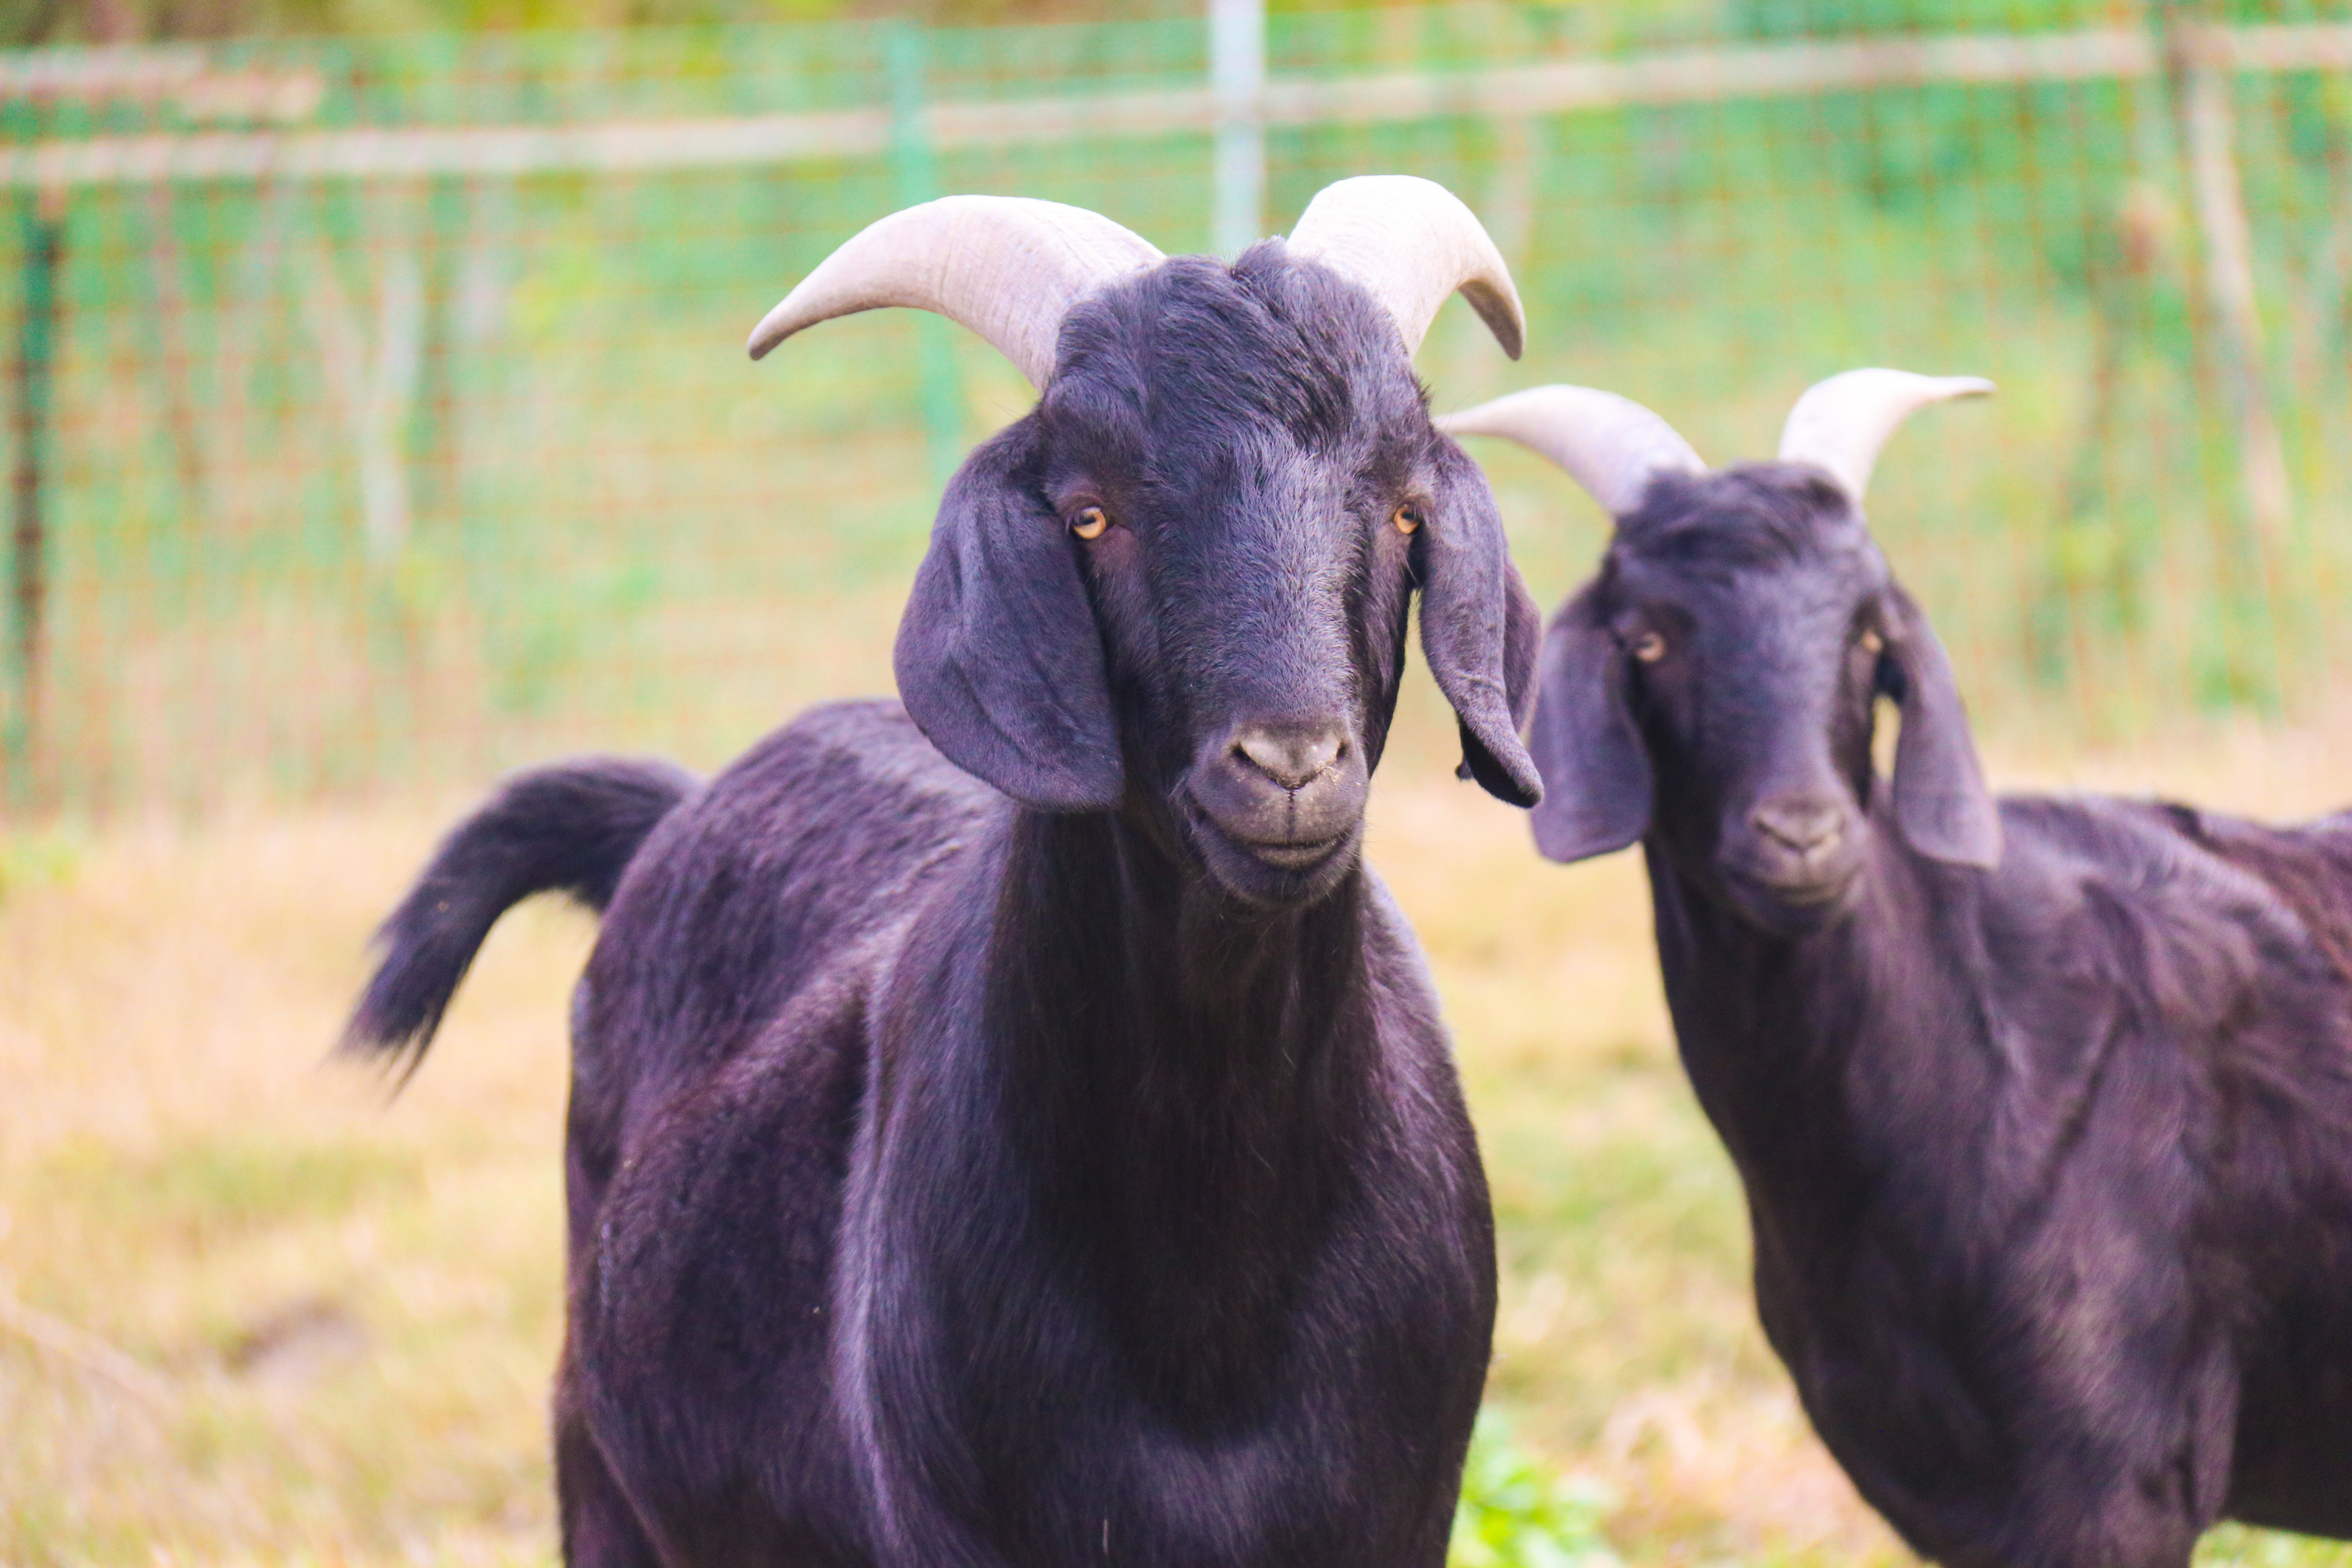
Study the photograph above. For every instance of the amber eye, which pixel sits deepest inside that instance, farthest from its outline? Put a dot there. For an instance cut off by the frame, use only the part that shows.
(1649, 648)
(1871, 642)
(1091, 523)
(1407, 518)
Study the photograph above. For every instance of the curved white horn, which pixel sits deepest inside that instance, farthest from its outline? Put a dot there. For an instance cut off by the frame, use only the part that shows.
(1409, 243)
(1611, 445)
(1007, 266)
(1839, 424)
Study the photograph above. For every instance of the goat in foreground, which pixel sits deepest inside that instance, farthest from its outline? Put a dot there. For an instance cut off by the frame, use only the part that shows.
(2043, 1108)
(1017, 1129)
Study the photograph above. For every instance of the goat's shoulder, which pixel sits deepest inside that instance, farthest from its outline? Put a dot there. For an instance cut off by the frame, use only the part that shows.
(847, 795)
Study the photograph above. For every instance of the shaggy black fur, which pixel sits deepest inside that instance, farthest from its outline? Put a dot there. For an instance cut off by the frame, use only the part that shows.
(2049, 1160)
(1070, 1171)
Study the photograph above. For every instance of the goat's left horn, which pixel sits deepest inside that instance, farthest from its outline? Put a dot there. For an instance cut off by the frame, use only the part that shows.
(1009, 268)
(1409, 243)
(1611, 445)
(1839, 424)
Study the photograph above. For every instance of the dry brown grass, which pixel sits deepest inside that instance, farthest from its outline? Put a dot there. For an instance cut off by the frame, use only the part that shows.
(340, 1314)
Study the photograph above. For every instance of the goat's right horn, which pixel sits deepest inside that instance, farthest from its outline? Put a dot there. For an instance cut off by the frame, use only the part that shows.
(1409, 243)
(1839, 424)
(1009, 268)
(1611, 445)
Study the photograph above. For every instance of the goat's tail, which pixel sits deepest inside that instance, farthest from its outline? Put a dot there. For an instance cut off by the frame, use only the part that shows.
(571, 827)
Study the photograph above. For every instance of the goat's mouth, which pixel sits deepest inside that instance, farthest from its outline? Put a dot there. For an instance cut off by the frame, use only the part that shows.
(1809, 893)
(1297, 857)
(1792, 905)
(1278, 872)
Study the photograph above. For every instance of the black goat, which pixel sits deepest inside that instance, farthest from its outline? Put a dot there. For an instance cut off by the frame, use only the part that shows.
(2044, 1109)
(1048, 1152)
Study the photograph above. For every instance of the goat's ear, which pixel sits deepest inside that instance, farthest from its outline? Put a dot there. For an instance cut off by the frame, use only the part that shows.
(1478, 630)
(999, 659)
(1596, 771)
(1941, 803)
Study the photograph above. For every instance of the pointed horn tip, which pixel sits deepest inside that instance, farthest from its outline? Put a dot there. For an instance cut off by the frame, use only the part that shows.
(770, 331)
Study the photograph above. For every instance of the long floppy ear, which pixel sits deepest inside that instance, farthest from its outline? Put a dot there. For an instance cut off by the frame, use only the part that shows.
(1941, 803)
(1478, 630)
(999, 659)
(1596, 773)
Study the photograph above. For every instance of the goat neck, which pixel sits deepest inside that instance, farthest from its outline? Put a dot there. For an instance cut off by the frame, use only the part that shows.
(1823, 1057)
(1186, 1074)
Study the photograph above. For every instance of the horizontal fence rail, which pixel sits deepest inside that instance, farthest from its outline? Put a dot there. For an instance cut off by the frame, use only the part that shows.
(1683, 77)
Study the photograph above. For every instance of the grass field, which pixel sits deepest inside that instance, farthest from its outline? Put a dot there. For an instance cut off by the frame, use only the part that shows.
(251, 1313)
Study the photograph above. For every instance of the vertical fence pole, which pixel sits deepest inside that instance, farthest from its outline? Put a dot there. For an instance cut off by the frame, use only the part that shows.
(31, 417)
(2232, 385)
(1237, 76)
(2210, 134)
(434, 431)
(171, 344)
(916, 171)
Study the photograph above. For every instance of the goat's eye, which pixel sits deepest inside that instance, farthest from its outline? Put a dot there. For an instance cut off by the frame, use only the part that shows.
(1649, 648)
(1407, 518)
(1872, 642)
(1090, 522)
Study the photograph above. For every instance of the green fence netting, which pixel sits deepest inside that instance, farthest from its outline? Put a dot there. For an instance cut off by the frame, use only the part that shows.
(377, 413)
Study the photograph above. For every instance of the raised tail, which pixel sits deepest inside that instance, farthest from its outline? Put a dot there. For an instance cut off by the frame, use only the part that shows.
(572, 828)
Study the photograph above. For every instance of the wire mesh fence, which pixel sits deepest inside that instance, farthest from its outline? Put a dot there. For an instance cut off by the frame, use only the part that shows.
(378, 412)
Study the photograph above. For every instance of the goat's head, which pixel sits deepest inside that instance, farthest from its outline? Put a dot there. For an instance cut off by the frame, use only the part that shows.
(1716, 684)
(1179, 587)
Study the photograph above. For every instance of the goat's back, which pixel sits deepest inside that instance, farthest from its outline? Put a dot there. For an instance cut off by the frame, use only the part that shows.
(810, 846)
(2208, 905)
(2307, 865)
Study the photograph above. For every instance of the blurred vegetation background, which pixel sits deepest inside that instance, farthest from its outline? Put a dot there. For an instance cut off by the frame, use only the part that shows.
(375, 419)
(379, 416)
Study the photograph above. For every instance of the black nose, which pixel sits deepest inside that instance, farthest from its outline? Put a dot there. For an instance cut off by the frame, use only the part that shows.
(1806, 823)
(1292, 755)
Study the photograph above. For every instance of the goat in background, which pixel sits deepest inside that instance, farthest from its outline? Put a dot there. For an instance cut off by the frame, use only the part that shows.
(2044, 1106)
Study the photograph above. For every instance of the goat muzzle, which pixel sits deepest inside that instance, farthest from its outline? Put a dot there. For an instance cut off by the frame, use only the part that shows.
(1793, 860)
(1285, 795)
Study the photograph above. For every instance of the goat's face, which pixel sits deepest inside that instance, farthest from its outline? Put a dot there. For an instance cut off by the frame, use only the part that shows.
(1750, 612)
(1716, 684)
(1258, 448)
(1220, 509)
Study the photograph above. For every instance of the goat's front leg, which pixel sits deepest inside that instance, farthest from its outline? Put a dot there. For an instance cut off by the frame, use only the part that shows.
(600, 1528)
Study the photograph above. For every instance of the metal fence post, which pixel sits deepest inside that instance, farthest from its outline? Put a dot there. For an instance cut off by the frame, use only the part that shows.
(1237, 76)
(917, 173)
(43, 229)
(2200, 81)
(434, 433)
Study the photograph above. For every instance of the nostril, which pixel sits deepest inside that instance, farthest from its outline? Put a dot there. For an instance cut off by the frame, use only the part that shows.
(1292, 758)
(1804, 825)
